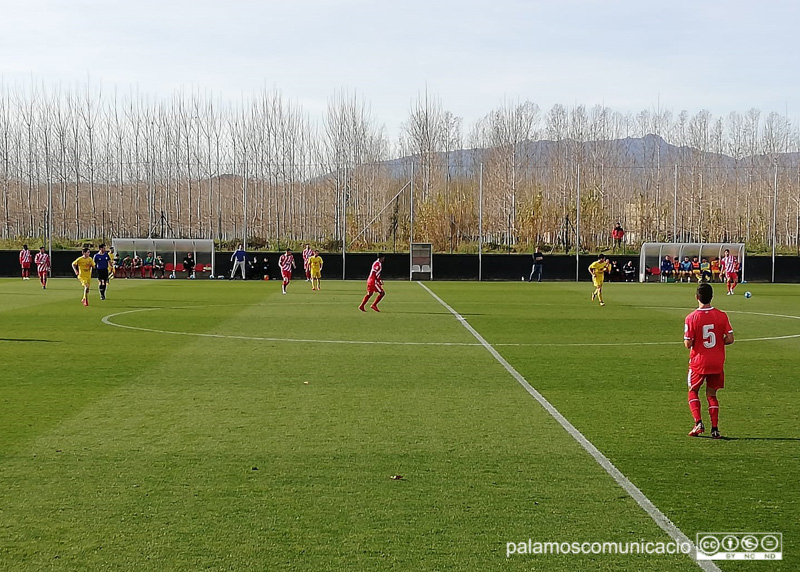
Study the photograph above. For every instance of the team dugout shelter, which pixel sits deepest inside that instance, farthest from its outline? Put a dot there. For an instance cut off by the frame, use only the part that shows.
(172, 250)
(653, 253)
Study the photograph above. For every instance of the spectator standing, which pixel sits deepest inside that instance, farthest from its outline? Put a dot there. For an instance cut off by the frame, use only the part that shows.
(538, 264)
(239, 259)
(617, 235)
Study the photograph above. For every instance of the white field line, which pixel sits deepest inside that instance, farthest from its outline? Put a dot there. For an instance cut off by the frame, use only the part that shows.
(658, 517)
(107, 320)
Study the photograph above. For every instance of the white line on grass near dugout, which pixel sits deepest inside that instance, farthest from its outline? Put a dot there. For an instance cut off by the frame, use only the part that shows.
(658, 517)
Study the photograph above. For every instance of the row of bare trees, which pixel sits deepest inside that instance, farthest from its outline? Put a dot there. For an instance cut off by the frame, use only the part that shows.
(92, 164)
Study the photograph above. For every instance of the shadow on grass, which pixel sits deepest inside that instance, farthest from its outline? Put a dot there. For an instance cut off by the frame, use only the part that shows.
(27, 340)
(752, 438)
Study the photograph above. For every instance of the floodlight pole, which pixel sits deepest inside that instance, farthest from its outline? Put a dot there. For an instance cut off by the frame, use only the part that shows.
(675, 205)
(244, 209)
(344, 225)
(578, 223)
(411, 231)
(774, 216)
(480, 225)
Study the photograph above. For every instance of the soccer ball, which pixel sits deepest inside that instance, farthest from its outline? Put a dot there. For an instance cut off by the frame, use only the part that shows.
(172, 276)
(747, 295)
(210, 276)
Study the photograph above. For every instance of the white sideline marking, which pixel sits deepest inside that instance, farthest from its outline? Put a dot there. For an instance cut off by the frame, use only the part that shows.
(658, 517)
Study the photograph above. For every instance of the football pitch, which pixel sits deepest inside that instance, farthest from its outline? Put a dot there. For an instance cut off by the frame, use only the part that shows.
(214, 425)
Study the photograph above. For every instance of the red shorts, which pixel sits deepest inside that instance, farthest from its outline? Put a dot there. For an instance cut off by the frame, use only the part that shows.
(287, 274)
(713, 380)
(42, 273)
(732, 276)
(25, 265)
(373, 287)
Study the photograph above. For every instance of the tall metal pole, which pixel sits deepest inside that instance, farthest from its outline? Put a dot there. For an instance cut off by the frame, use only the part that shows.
(50, 221)
(244, 209)
(774, 216)
(578, 224)
(344, 225)
(411, 234)
(675, 206)
(480, 225)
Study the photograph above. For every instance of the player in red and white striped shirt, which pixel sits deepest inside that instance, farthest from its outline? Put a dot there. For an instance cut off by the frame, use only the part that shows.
(730, 270)
(42, 266)
(374, 285)
(25, 262)
(307, 253)
(286, 263)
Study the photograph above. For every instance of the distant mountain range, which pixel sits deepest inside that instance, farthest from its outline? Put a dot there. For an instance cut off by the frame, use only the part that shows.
(628, 152)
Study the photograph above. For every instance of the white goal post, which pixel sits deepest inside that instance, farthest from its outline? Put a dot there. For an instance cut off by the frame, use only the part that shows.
(171, 249)
(421, 261)
(653, 253)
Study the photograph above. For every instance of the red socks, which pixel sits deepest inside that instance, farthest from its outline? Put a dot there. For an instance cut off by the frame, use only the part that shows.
(694, 405)
(713, 410)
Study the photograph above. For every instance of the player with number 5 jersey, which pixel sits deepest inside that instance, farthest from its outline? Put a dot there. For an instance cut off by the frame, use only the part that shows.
(706, 333)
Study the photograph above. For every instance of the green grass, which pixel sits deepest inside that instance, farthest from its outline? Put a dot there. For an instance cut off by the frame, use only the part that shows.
(128, 449)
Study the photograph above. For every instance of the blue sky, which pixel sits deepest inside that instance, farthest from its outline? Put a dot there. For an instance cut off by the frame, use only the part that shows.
(715, 55)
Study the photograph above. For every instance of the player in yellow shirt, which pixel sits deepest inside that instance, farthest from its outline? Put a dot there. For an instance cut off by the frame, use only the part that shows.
(83, 271)
(315, 266)
(112, 263)
(598, 270)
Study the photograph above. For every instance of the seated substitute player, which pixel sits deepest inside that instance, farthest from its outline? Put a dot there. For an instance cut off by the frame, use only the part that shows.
(706, 333)
(127, 267)
(286, 264)
(188, 265)
(83, 272)
(598, 270)
(667, 269)
(159, 266)
(42, 261)
(686, 269)
(374, 284)
(715, 269)
(705, 270)
(102, 261)
(315, 269)
(629, 271)
(136, 266)
(696, 269)
(147, 267)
